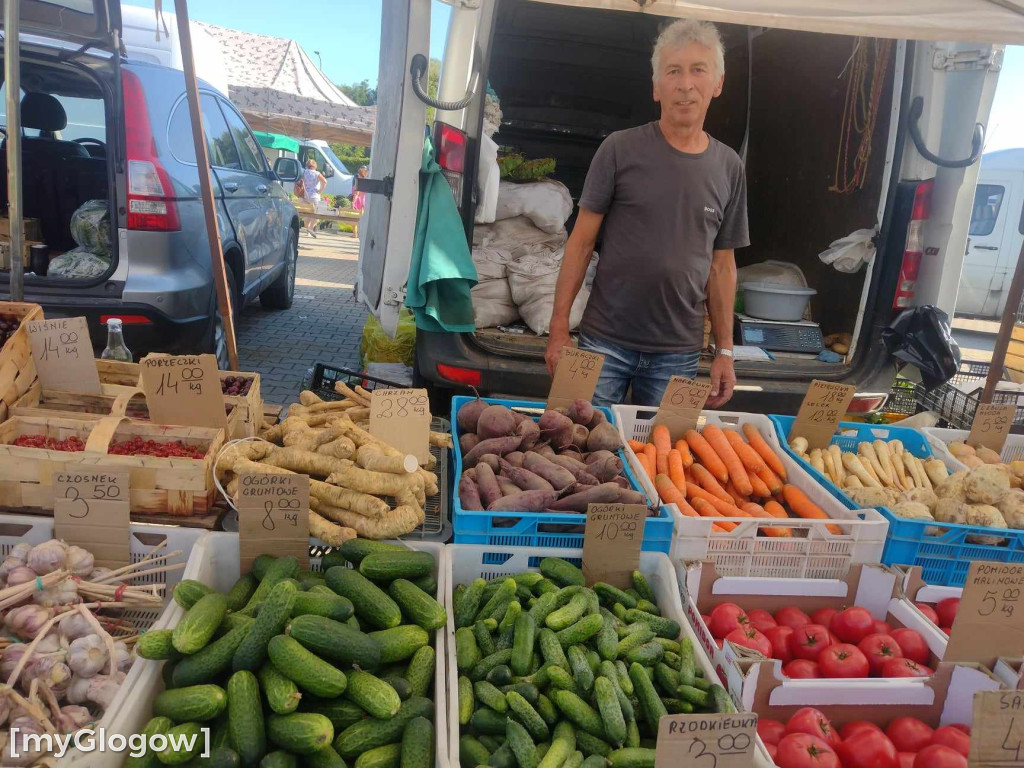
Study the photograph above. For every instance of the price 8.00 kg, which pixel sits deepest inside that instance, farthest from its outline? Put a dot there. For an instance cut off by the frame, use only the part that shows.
(288, 509)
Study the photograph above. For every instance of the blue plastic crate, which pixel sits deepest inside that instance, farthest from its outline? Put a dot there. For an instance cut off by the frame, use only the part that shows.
(944, 559)
(532, 529)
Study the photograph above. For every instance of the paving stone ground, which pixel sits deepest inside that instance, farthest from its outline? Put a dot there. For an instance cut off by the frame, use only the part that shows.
(324, 324)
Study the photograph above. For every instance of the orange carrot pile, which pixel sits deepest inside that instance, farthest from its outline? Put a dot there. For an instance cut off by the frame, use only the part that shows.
(724, 473)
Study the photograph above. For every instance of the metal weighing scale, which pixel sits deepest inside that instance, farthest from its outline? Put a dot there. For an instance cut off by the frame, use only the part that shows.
(778, 336)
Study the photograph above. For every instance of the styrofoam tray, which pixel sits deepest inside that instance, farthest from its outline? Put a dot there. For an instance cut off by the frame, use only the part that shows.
(214, 562)
(814, 552)
(939, 440)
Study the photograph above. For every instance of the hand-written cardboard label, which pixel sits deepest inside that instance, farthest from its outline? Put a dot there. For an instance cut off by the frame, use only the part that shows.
(823, 408)
(706, 741)
(401, 418)
(991, 425)
(681, 405)
(990, 620)
(91, 510)
(611, 542)
(183, 390)
(273, 517)
(997, 738)
(63, 354)
(575, 377)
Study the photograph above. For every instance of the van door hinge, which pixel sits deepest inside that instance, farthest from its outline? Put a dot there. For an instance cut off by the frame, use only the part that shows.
(990, 59)
(385, 186)
(393, 296)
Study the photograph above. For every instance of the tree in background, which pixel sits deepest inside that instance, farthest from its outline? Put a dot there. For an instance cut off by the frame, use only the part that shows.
(433, 76)
(361, 93)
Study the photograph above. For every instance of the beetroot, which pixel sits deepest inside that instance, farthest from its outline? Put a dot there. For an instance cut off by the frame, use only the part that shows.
(469, 415)
(498, 445)
(530, 433)
(495, 421)
(604, 465)
(579, 436)
(577, 502)
(556, 429)
(487, 483)
(467, 442)
(604, 437)
(524, 478)
(581, 411)
(559, 477)
(599, 418)
(490, 460)
(469, 494)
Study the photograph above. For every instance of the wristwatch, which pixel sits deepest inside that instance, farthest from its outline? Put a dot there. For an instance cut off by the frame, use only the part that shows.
(723, 351)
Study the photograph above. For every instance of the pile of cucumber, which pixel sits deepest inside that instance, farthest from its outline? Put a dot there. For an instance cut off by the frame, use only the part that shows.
(306, 668)
(553, 674)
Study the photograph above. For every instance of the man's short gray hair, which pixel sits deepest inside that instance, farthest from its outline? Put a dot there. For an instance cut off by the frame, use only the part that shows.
(684, 31)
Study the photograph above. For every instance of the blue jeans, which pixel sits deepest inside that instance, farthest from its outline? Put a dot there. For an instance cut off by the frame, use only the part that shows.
(649, 372)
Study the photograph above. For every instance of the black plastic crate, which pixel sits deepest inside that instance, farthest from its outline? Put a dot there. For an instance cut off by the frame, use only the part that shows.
(901, 398)
(326, 376)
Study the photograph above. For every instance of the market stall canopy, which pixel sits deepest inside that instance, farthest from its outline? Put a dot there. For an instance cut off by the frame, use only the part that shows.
(277, 141)
(966, 21)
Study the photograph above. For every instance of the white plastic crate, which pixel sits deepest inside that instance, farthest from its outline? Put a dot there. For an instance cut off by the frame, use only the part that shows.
(812, 552)
(214, 562)
(939, 440)
(471, 561)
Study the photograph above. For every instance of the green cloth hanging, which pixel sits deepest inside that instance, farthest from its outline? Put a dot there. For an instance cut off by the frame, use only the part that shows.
(441, 270)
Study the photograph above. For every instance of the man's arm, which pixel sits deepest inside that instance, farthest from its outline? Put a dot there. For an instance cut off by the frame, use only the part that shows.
(578, 250)
(721, 298)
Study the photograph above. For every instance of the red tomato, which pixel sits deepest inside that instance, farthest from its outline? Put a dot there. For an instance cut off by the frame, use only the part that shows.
(801, 750)
(954, 738)
(801, 669)
(770, 731)
(853, 624)
(938, 756)
(868, 749)
(761, 619)
(912, 644)
(961, 727)
(909, 734)
(808, 641)
(791, 616)
(706, 619)
(906, 759)
(750, 638)
(812, 721)
(947, 630)
(879, 649)
(773, 751)
(843, 660)
(946, 610)
(857, 725)
(725, 618)
(823, 616)
(929, 612)
(905, 668)
(833, 638)
(779, 638)
(882, 628)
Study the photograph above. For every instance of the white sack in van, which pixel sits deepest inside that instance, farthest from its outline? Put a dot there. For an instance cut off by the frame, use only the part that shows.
(488, 179)
(850, 253)
(546, 203)
(492, 303)
(533, 279)
(490, 263)
(518, 237)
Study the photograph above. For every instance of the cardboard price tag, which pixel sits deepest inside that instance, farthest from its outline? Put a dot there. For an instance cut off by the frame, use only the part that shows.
(91, 510)
(273, 517)
(575, 377)
(401, 418)
(997, 738)
(706, 741)
(821, 411)
(611, 542)
(991, 425)
(183, 390)
(681, 405)
(63, 354)
(990, 620)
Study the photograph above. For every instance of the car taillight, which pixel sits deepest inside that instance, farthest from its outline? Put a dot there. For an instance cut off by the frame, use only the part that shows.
(467, 376)
(126, 319)
(151, 205)
(913, 251)
(451, 145)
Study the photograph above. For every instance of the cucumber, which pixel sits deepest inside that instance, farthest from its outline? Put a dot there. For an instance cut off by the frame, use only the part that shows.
(187, 592)
(354, 550)
(503, 757)
(545, 604)
(282, 695)
(593, 659)
(331, 559)
(528, 716)
(302, 732)
(241, 591)
(687, 662)
(648, 607)
(608, 671)
(575, 760)
(200, 623)
(324, 758)
(612, 595)
(608, 638)
(472, 751)
(220, 757)
(488, 695)
(500, 675)
(528, 691)
(484, 640)
(544, 587)
(372, 604)
(304, 668)
(561, 571)
(467, 606)
(632, 757)
(486, 720)
(563, 744)
(551, 649)
(280, 759)
(642, 587)
(507, 626)
(167, 674)
(420, 672)
(579, 712)
(388, 566)
(282, 568)
(197, 703)
(467, 699)
(501, 597)
(310, 579)
(336, 642)
(400, 684)
(670, 646)
(666, 678)
(252, 651)
(677, 706)
(581, 631)
(634, 640)
(662, 627)
(698, 698)
(370, 733)
(316, 604)
(582, 674)
(234, 621)
(491, 741)
(561, 679)
(467, 652)
(611, 713)
(720, 699)
(481, 670)
(651, 705)
(418, 744)
(417, 605)
(568, 614)
(149, 758)
(427, 583)
(594, 761)
(625, 683)
(590, 745)
(400, 643)
(522, 745)
(388, 756)
(261, 564)
(156, 645)
(341, 712)
(378, 698)
(632, 734)
(245, 717)
(207, 665)
(523, 642)
(188, 736)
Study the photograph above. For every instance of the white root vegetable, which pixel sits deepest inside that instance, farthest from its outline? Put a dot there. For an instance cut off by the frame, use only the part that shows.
(885, 460)
(816, 461)
(960, 449)
(799, 444)
(852, 481)
(911, 467)
(872, 465)
(830, 467)
(906, 481)
(925, 480)
(936, 471)
(912, 510)
(986, 484)
(854, 466)
(837, 461)
(921, 496)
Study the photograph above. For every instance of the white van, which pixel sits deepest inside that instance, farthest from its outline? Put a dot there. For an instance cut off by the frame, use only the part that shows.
(339, 180)
(995, 236)
(569, 72)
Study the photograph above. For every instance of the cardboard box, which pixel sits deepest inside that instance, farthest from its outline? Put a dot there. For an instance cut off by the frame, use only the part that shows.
(1010, 672)
(30, 228)
(916, 591)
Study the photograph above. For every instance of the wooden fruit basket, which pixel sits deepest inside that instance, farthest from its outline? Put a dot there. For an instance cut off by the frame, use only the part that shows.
(159, 486)
(18, 379)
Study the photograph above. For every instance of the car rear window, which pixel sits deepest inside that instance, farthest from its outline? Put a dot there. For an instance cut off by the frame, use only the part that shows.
(219, 143)
(987, 200)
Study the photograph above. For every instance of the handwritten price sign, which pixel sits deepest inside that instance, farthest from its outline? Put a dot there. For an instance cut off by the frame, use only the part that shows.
(823, 408)
(681, 405)
(575, 377)
(401, 418)
(184, 390)
(990, 620)
(611, 542)
(63, 354)
(273, 516)
(706, 741)
(998, 737)
(92, 510)
(991, 425)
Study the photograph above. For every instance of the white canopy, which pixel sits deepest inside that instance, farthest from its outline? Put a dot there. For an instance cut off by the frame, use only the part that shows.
(965, 21)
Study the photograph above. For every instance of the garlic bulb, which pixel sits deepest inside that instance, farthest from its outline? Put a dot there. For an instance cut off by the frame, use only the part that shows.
(25, 726)
(79, 561)
(5, 709)
(103, 689)
(49, 644)
(9, 658)
(20, 575)
(26, 621)
(78, 690)
(99, 573)
(20, 552)
(72, 718)
(87, 656)
(8, 565)
(65, 593)
(47, 557)
(50, 671)
(123, 658)
(74, 626)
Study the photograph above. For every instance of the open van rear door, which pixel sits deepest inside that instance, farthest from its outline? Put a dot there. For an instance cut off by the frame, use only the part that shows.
(386, 229)
(75, 21)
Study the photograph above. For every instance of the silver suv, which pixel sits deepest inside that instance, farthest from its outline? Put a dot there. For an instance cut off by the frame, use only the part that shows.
(98, 127)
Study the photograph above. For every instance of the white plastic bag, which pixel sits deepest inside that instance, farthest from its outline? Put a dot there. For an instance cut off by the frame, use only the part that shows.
(493, 304)
(850, 253)
(547, 203)
(488, 179)
(532, 280)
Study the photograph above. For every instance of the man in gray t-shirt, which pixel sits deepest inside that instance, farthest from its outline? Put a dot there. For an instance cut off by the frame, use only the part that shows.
(673, 202)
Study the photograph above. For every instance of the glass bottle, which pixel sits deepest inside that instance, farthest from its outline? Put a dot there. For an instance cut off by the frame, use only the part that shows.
(116, 349)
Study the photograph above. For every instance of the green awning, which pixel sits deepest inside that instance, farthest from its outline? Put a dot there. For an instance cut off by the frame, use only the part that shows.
(277, 141)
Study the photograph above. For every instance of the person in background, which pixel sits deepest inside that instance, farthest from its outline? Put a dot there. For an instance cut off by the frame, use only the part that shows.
(359, 198)
(313, 183)
(673, 202)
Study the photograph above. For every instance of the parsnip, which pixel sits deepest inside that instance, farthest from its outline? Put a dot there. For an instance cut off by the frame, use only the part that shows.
(936, 471)
(816, 460)
(830, 467)
(925, 480)
(342, 389)
(885, 460)
(908, 462)
(854, 465)
(309, 398)
(871, 463)
(799, 444)
(896, 447)
(852, 481)
(897, 465)
(348, 475)
(837, 462)
(397, 522)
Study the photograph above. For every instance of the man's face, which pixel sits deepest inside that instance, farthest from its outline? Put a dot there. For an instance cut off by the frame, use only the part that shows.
(686, 84)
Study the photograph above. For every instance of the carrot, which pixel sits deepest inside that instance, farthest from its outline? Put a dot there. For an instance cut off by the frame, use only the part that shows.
(775, 509)
(731, 490)
(706, 481)
(716, 528)
(661, 440)
(684, 451)
(672, 495)
(759, 444)
(770, 479)
(704, 453)
(716, 439)
(804, 507)
(727, 508)
(676, 471)
(647, 464)
(751, 460)
(652, 454)
(760, 489)
(704, 509)
(756, 510)
(637, 446)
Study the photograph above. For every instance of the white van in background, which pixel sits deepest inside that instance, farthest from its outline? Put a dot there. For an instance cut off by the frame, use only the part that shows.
(339, 180)
(995, 236)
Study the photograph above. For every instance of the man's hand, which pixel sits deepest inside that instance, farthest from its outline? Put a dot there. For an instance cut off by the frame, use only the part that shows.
(553, 353)
(723, 379)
